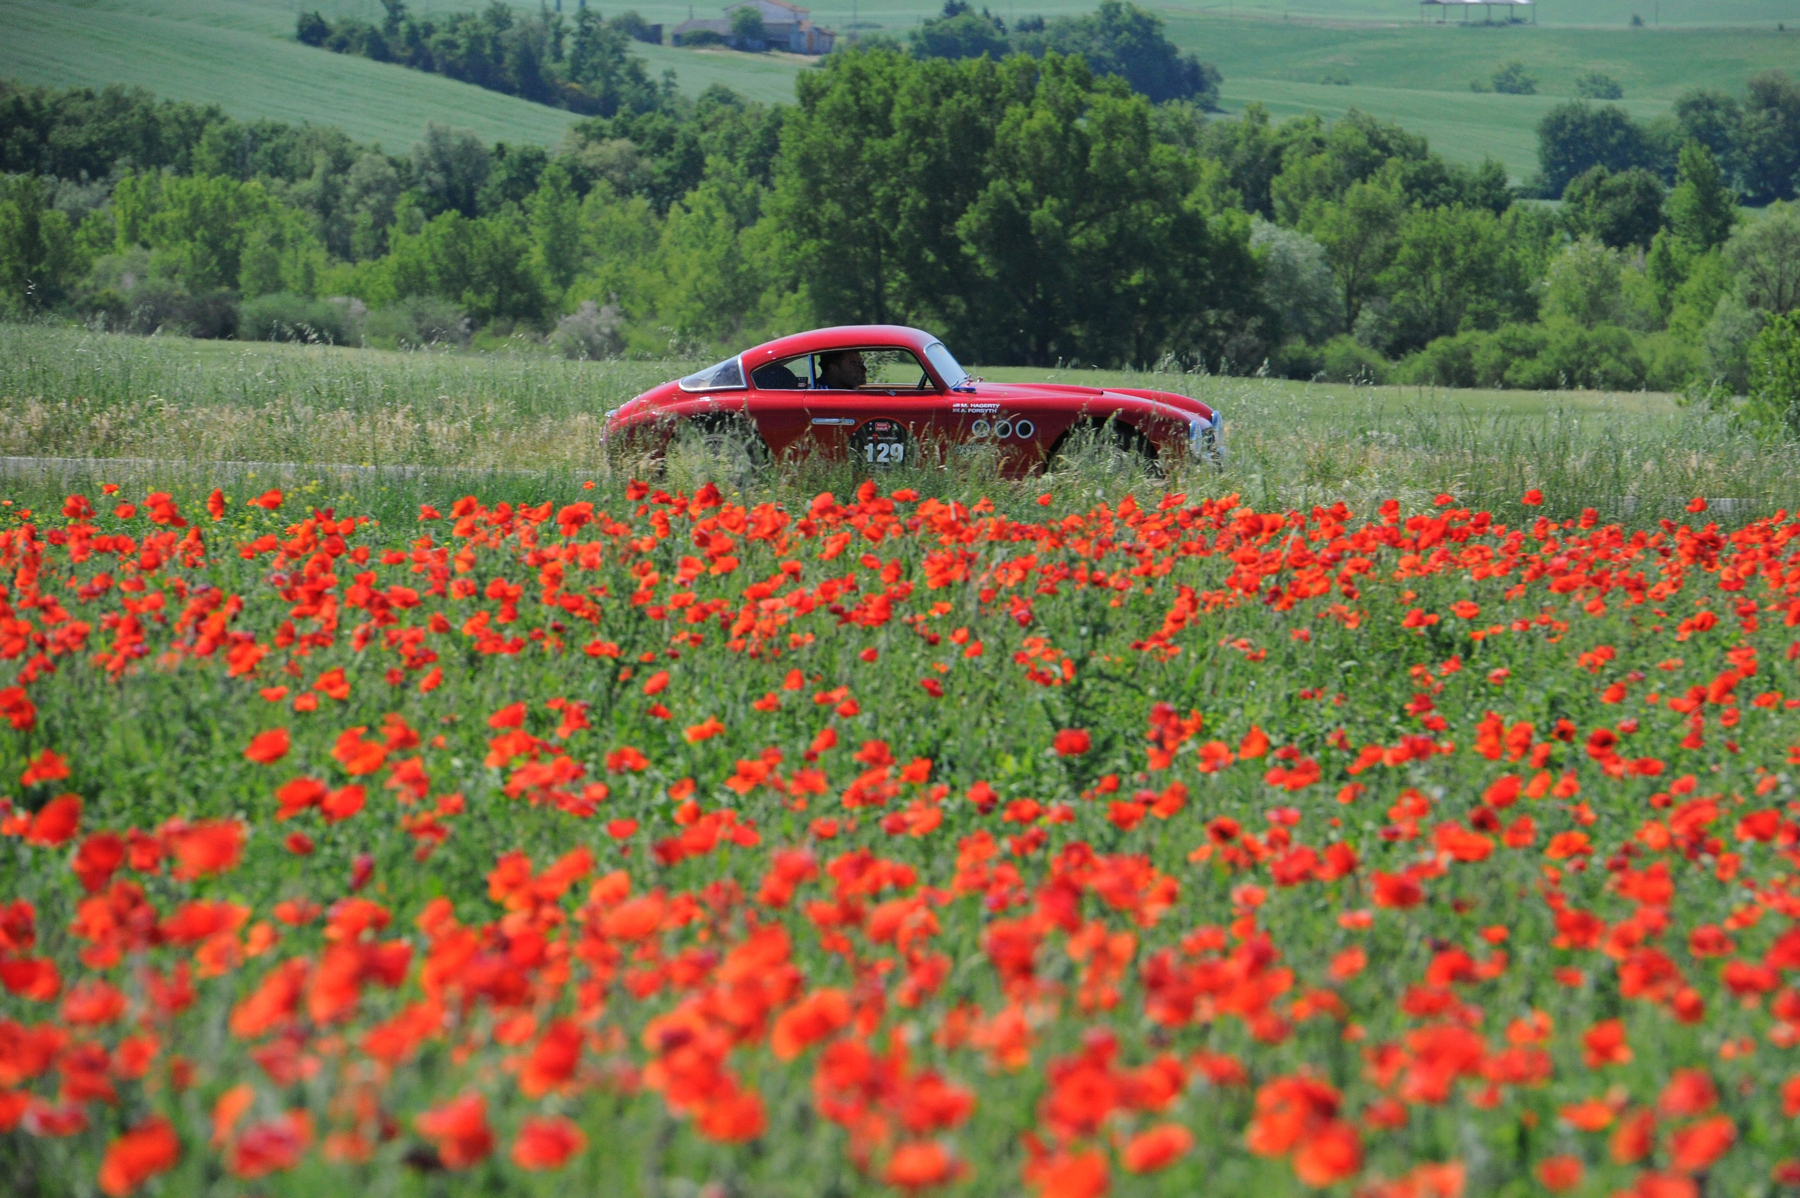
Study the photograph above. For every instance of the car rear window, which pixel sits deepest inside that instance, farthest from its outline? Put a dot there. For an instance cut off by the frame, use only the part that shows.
(726, 376)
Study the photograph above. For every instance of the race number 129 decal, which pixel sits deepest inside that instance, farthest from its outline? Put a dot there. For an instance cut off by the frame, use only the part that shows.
(880, 442)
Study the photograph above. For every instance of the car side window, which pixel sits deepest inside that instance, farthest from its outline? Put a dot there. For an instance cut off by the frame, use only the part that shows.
(894, 370)
(881, 370)
(790, 374)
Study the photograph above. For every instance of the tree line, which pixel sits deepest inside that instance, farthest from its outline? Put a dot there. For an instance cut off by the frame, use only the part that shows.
(1029, 209)
(1755, 139)
(583, 65)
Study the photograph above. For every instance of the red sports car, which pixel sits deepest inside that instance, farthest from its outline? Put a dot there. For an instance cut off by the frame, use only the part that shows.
(886, 396)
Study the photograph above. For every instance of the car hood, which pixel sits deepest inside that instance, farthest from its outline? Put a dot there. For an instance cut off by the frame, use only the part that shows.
(1099, 396)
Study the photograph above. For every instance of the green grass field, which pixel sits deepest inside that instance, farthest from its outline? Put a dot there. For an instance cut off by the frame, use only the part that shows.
(242, 55)
(66, 393)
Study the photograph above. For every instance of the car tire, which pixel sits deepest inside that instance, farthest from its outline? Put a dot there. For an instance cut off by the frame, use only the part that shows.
(725, 446)
(1110, 447)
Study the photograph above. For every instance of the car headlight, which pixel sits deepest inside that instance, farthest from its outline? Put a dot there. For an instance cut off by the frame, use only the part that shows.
(1206, 441)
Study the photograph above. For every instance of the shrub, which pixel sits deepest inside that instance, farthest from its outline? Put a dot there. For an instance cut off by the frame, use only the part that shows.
(1774, 405)
(1604, 358)
(591, 332)
(702, 37)
(286, 317)
(1598, 85)
(416, 323)
(1725, 345)
(1344, 359)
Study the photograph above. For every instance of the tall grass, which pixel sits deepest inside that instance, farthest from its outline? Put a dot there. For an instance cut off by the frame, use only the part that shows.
(416, 426)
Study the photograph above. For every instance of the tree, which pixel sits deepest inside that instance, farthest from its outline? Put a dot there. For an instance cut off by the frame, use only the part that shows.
(715, 280)
(1701, 208)
(1359, 234)
(1124, 40)
(1774, 400)
(1575, 136)
(960, 32)
(1451, 271)
(1765, 256)
(1026, 204)
(371, 192)
(1512, 79)
(747, 29)
(1584, 285)
(1622, 209)
(311, 29)
(484, 266)
(1715, 120)
(556, 227)
(1770, 138)
(1352, 150)
(1297, 282)
(38, 258)
(1598, 85)
(449, 168)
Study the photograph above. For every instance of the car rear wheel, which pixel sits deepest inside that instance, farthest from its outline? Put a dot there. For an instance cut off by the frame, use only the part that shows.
(722, 448)
(1108, 448)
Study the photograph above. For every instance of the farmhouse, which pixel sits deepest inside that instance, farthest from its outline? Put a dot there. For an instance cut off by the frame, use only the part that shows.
(786, 27)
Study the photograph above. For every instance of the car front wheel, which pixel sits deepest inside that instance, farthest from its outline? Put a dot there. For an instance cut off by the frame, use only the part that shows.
(722, 448)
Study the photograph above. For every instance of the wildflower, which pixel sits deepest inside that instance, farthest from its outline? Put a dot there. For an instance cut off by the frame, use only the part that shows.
(56, 822)
(1689, 1092)
(920, 1165)
(47, 766)
(547, 1143)
(268, 747)
(272, 1147)
(460, 1130)
(1559, 1173)
(1157, 1148)
(1072, 742)
(206, 848)
(150, 1147)
(1695, 1148)
(818, 1015)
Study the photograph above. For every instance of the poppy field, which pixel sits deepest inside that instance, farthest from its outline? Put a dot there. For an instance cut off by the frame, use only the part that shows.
(669, 843)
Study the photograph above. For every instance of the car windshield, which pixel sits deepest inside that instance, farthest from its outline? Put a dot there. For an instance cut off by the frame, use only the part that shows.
(947, 366)
(726, 376)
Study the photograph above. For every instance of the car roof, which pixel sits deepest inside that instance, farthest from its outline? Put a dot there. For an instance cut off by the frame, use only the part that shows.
(844, 336)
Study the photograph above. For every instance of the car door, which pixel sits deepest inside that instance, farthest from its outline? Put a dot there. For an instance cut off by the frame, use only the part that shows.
(890, 421)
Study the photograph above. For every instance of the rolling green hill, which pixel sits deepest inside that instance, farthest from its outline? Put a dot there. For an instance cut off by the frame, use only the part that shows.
(241, 55)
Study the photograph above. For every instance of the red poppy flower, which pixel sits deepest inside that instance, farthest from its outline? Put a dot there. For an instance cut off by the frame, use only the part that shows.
(1072, 742)
(206, 848)
(1605, 1044)
(1689, 1092)
(268, 747)
(1157, 1148)
(547, 1143)
(1329, 1155)
(149, 1148)
(812, 1019)
(47, 766)
(460, 1130)
(1694, 1149)
(921, 1165)
(1559, 1173)
(56, 822)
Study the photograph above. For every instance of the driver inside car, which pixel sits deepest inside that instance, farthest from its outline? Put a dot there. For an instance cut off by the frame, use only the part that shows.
(842, 371)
